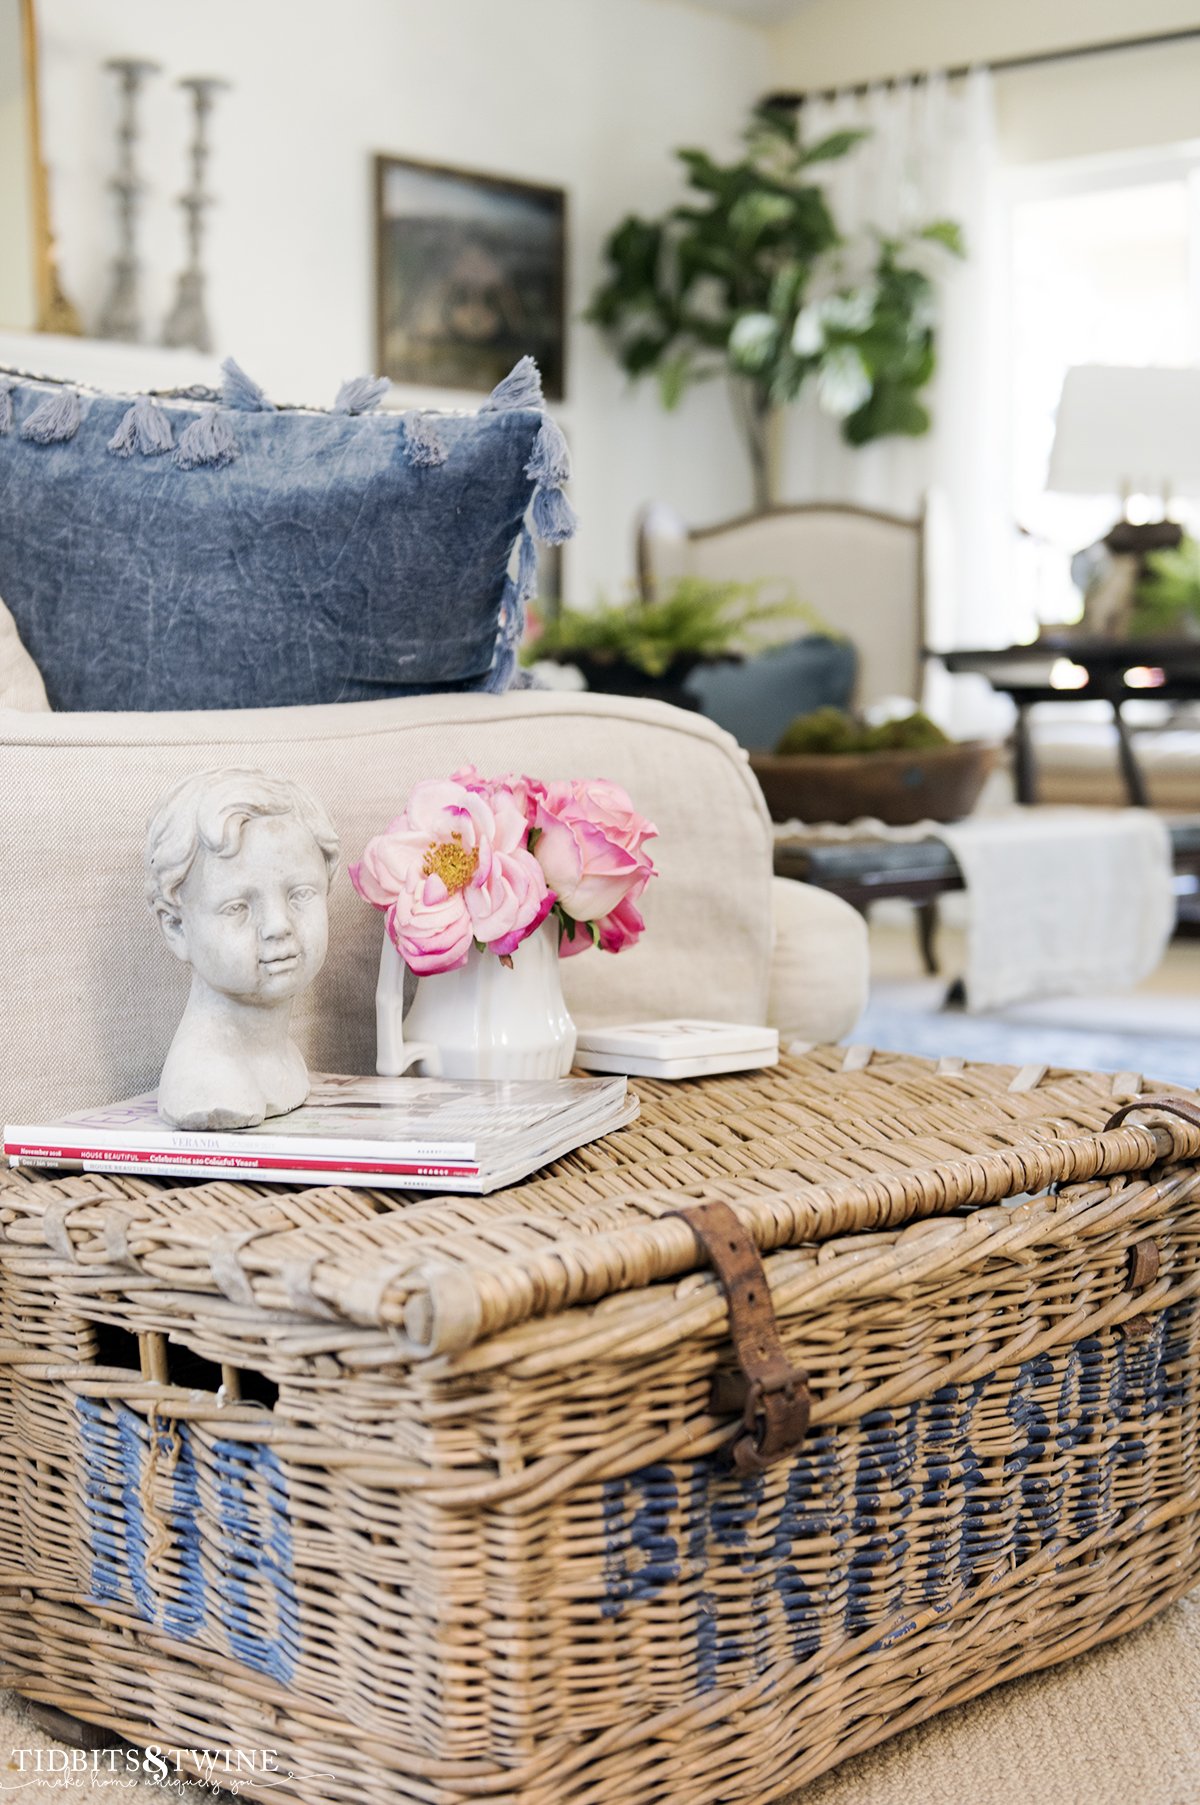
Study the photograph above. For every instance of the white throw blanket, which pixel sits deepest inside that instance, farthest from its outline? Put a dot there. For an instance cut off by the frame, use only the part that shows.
(1062, 901)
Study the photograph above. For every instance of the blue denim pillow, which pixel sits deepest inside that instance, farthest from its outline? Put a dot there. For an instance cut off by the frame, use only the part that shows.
(196, 550)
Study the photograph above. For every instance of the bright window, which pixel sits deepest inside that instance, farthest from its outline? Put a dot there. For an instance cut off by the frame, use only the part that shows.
(1105, 269)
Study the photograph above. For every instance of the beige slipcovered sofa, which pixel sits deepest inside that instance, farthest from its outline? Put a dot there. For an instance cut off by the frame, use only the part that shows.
(91, 996)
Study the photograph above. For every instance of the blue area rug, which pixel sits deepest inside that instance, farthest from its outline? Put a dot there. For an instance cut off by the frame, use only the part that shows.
(1174, 1058)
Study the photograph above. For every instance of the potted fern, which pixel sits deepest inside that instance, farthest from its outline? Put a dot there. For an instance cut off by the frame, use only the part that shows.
(650, 648)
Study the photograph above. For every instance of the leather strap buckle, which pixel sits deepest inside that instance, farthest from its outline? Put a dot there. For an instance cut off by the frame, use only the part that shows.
(776, 1401)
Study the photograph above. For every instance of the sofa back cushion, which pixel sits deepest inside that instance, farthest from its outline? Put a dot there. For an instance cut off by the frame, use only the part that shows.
(204, 551)
(93, 996)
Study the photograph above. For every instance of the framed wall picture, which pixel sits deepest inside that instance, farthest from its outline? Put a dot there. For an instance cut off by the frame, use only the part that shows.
(471, 275)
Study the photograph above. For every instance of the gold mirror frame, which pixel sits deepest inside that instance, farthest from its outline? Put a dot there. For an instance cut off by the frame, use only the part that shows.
(48, 308)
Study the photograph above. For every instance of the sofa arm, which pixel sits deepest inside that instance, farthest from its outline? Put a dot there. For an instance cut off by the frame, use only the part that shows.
(820, 966)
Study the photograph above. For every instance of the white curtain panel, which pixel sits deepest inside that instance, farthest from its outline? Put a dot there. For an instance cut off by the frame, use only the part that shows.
(931, 155)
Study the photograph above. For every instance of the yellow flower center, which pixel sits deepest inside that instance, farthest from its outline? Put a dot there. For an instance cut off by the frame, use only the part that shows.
(453, 862)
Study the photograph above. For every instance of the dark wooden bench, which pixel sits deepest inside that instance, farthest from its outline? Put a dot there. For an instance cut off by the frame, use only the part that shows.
(921, 871)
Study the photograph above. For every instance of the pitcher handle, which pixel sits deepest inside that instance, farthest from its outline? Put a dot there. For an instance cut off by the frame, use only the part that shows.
(393, 1055)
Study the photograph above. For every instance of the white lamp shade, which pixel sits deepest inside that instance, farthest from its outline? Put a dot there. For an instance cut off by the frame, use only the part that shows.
(1120, 430)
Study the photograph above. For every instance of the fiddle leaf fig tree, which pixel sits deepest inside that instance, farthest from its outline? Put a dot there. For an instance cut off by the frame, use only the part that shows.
(751, 279)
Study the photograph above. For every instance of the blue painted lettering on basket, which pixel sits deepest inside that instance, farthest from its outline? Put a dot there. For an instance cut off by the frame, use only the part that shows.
(249, 1475)
(979, 1456)
(942, 1458)
(1148, 1360)
(734, 1513)
(253, 1544)
(811, 1482)
(185, 1614)
(1082, 1398)
(883, 1501)
(132, 1438)
(697, 1566)
(980, 1537)
(1037, 1515)
(102, 1492)
(641, 1556)
(1122, 1409)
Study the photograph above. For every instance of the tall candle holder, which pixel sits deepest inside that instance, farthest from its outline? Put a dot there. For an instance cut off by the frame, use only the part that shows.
(121, 315)
(187, 323)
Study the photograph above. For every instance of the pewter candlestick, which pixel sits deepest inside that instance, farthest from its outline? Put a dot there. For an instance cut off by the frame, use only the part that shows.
(187, 322)
(121, 314)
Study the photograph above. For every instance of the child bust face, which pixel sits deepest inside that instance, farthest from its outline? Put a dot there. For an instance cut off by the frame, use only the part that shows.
(253, 925)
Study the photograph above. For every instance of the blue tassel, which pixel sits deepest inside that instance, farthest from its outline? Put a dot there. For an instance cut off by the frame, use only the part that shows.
(527, 568)
(553, 516)
(55, 419)
(207, 442)
(550, 460)
(361, 394)
(424, 446)
(504, 666)
(144, 427)
(238, 391)
(6, 417)
(522, 387)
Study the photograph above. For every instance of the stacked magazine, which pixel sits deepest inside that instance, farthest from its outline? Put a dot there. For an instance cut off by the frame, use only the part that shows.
(405, 1134)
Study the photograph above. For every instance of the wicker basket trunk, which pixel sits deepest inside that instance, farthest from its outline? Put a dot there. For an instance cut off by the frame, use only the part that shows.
(433, 1503)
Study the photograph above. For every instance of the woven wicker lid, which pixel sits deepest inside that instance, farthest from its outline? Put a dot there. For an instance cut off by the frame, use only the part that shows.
(831, 1145)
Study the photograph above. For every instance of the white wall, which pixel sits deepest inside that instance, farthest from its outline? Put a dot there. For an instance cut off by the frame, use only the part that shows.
(18, 302)
(589, 94)
(1119, 101)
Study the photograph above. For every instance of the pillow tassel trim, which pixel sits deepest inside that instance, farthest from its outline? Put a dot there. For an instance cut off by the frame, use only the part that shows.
(554, 519)
(549, 467)
(208, 443)
(6, 407)
(521, 388)
(550, 460)
(241, 392)
(424, 446)
(144, 428)
(516, 593)
(361, 395)
(55, 419)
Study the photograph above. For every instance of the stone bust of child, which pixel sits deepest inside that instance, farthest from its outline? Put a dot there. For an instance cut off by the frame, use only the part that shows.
(238, 869)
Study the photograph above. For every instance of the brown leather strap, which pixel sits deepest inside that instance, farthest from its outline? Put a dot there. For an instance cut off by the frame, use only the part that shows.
(777, 1402)
(1183, 1107)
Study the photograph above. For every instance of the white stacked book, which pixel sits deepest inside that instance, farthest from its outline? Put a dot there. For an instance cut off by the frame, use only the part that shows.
(684, 1048)
(406, 1134)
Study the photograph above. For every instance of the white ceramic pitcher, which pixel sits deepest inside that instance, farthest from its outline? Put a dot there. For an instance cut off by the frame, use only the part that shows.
(485, 1020)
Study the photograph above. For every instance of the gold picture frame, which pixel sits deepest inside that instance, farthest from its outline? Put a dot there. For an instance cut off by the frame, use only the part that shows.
(31, 292)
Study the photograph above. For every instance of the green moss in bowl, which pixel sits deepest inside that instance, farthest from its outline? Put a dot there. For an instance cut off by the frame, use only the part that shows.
(829, 730)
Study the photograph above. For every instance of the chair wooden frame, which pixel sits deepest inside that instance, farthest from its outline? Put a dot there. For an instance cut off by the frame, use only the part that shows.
(914, 522)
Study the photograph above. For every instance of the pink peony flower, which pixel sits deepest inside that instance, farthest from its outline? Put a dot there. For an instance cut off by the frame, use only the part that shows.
(452, 869)
(590, 845)
(526, 790)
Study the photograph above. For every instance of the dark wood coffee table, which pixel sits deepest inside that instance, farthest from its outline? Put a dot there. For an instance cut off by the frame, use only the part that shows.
(1023, 672)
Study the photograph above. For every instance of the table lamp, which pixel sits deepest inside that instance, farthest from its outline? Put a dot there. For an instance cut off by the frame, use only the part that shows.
(1121, 431)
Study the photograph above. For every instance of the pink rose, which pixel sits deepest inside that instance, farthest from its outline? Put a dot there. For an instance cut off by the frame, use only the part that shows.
(622, 928)
(618, 930)
(609, 804)
(589, 845)
(454, 868)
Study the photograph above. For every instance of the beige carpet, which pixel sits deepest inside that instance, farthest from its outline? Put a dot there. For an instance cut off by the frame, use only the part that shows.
(1120, 1726)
